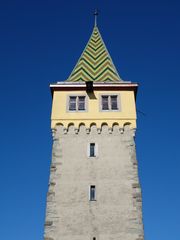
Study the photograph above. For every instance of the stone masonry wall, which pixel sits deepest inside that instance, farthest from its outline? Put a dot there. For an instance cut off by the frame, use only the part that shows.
(117, 212)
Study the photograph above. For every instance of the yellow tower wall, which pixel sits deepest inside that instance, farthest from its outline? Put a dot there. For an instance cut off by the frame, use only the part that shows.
(93, 114)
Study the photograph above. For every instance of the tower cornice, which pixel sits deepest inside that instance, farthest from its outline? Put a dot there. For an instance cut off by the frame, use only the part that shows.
(76, 86)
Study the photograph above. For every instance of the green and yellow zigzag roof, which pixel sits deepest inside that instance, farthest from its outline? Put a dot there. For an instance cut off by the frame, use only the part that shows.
(95, 63)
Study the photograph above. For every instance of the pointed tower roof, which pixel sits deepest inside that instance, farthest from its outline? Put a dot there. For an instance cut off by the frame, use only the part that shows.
(95, 63)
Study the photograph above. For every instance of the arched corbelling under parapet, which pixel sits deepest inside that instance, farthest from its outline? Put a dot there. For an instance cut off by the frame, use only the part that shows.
(70, 124)
(59, 127)
(82, 127)
(104, 128)
(70, 127)
(81, 124)
(92, 124)
(115, 126)
(127, 125)
(93, 127)
(104, 124)
(59, 124)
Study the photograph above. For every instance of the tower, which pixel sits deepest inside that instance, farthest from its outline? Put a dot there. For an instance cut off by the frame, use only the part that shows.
(94, 191)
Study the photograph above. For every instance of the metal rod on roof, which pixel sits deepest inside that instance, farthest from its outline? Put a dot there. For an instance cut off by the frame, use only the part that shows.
(95, 17)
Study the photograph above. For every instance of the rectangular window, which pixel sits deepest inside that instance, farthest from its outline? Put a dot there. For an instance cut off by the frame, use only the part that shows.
(77, 103)
(105, 105)
(109, 102)
(72, 103)
(92, 193)
(92, 150)
(113, 100)
(81, 103)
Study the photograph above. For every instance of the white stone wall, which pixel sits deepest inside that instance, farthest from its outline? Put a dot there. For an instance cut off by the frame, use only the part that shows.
(117, 212)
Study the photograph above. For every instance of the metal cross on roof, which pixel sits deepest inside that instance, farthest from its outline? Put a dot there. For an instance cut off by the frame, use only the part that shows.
(96, 13)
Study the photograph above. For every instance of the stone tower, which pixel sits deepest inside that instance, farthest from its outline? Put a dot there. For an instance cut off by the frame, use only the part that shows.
(94, 191)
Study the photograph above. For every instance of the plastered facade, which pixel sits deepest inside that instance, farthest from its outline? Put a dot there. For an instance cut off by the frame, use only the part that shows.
(93, 113)
(117, 212)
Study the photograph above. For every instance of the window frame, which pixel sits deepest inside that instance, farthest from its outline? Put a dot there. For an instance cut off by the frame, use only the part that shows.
(95, 150)
(77, 103)
(109, 95)
(116, 102)
(103, 97)
(69, 103)
(91, 199)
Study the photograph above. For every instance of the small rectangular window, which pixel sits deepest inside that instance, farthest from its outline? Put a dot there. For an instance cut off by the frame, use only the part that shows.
(105, 105)
(92, 193)
(77, 103)
(92, 150)
(81, 103)
(114, 105)
(72, 103)
(109, 102)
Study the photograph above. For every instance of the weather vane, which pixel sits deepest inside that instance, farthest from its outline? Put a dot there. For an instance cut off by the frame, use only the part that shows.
(96, 13)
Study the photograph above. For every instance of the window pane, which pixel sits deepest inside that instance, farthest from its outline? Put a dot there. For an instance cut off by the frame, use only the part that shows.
(72, 103)
(81, 103)
(92, 149)
(105, 103)
(114, 105)
(92, 193)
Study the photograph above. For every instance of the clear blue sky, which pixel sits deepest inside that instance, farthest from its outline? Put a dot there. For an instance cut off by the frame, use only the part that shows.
(40, 41)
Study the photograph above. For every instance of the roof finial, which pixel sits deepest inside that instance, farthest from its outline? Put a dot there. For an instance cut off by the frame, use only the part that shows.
(95, 17)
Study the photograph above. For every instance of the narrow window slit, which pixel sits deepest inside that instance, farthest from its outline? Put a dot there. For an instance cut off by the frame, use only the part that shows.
(92, 149)
(92, 193)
